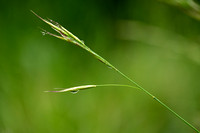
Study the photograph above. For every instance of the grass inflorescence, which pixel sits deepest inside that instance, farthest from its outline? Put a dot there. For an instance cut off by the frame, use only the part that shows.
(69, 37)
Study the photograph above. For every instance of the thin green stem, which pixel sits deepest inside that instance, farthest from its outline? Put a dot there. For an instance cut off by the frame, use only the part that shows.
(177, 115)
(117, 85)
(144, 90)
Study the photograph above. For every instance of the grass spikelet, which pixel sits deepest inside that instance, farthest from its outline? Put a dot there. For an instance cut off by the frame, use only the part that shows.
(74, 89)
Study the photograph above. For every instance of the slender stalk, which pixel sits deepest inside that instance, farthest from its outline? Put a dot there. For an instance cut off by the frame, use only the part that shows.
(69, 37)
(117, 85)
(147, 92)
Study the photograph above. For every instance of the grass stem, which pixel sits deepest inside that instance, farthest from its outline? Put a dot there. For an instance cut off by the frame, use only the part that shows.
(147, 92)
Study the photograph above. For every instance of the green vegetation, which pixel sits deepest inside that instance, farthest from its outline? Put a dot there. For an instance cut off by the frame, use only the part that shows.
(154, 43)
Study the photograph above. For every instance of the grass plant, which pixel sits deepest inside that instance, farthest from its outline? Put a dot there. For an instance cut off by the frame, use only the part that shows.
(69, 37)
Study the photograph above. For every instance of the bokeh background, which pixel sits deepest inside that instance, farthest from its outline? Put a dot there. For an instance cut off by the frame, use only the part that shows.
(156, 43)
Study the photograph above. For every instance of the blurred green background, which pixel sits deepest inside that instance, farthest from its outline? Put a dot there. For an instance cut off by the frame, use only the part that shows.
(155, 43)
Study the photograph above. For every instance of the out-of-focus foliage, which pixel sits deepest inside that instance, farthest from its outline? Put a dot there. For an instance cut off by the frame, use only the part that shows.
(152, 42)
(191, 7)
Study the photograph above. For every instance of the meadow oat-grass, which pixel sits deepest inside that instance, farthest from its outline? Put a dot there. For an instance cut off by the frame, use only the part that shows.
(69, 37)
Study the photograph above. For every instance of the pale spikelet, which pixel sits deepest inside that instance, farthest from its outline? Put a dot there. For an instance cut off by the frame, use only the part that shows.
(74, 89)
(65, 34)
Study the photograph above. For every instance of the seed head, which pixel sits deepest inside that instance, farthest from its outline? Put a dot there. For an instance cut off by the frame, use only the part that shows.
(74, 89)
(64, 33)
